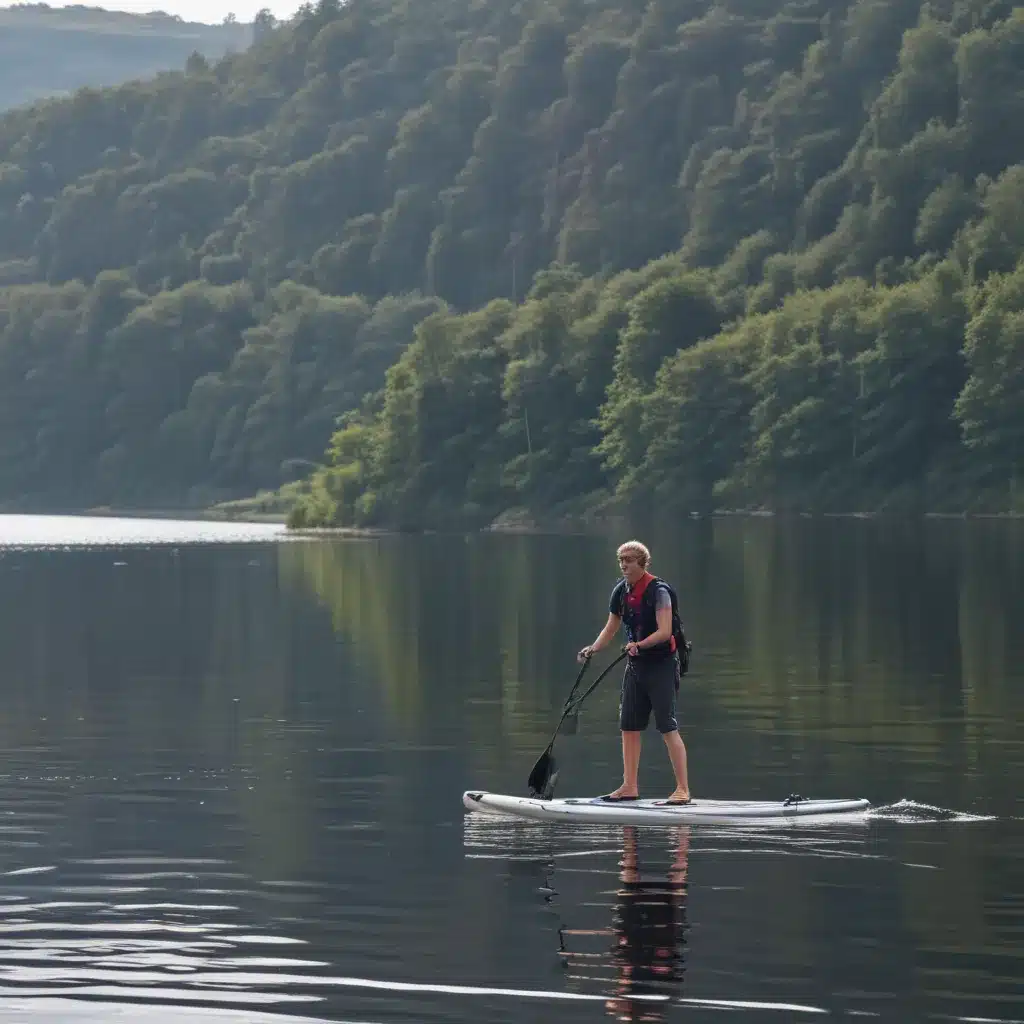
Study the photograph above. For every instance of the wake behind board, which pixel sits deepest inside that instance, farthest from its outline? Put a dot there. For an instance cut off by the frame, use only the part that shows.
(655, 812)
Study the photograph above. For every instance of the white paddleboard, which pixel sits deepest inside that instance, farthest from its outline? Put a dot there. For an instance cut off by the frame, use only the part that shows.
(656, 812)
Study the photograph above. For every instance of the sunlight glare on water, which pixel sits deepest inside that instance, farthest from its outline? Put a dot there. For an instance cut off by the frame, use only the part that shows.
(54, 531)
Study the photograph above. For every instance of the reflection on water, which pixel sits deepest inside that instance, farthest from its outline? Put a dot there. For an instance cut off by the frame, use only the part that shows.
(620, 897)
(830, 649)
(642, 952)
(97, 901)
(97, 1011)
(231, 778)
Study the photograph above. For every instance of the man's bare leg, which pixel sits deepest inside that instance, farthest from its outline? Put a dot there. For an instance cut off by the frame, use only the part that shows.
(677, 755)
(630, 765)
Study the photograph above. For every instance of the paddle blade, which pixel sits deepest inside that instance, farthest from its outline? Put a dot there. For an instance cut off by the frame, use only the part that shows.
(541, 781)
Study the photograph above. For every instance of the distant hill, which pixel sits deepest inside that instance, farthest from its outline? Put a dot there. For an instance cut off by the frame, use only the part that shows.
(443, 262)
(47, 51)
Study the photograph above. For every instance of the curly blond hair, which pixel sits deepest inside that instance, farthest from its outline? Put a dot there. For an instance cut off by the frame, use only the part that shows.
(634, 547)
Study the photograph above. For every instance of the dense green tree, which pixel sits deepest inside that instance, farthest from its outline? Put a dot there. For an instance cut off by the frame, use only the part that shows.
(434, 262)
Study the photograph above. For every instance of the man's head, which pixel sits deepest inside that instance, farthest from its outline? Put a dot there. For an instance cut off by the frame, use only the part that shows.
(633, 560)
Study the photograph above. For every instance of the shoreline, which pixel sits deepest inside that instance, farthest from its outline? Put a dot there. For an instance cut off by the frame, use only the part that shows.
(522, 526)
(601, 524)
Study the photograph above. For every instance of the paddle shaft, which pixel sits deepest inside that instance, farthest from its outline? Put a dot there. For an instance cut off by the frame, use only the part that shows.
(544, 770)
(593, 686)
(570, 704)
(567, 705)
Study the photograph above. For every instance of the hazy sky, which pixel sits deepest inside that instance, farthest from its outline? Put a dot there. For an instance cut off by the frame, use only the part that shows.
(210, 11)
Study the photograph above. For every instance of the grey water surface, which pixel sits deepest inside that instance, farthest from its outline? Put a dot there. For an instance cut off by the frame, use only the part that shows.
(232, 761)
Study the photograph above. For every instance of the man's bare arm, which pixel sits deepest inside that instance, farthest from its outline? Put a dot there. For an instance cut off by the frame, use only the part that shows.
(611, 627)
(664, 630)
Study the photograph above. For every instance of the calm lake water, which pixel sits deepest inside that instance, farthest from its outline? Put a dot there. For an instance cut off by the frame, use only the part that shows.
(231, 768)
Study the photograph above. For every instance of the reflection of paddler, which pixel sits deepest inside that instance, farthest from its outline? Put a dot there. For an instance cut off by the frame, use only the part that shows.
(650, 926)
(642, 966)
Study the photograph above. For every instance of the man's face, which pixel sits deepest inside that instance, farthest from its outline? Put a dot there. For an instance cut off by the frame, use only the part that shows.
(630, 567)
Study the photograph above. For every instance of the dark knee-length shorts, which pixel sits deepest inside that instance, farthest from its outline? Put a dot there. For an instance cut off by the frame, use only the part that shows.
(649, 686)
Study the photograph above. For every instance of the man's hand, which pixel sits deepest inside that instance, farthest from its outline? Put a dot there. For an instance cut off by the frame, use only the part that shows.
(632, 648)
(585, 653)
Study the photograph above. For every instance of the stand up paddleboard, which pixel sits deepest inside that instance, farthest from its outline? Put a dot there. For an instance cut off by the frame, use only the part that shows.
(655, 812)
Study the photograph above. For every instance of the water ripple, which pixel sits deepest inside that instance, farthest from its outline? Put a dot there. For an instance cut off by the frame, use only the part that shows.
(169, 945)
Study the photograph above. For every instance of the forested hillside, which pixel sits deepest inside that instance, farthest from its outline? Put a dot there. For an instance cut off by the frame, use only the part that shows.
(741, 254)
(49, 51)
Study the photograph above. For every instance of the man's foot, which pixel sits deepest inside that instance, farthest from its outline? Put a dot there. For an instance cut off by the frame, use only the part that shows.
(680, 796)
(620, 795)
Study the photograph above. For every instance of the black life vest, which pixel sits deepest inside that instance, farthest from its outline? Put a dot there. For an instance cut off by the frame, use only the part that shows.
(643, 623)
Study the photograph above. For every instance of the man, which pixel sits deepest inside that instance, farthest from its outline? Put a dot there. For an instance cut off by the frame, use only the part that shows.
(651, 679)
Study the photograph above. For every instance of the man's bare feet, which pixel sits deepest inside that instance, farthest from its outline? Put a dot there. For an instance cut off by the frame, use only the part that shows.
(622, 793)
(679, 796)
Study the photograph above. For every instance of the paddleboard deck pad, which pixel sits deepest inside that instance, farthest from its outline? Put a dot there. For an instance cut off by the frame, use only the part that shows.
(651, 811)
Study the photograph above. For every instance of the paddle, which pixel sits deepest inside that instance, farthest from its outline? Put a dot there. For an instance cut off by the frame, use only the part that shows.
(545, 772)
